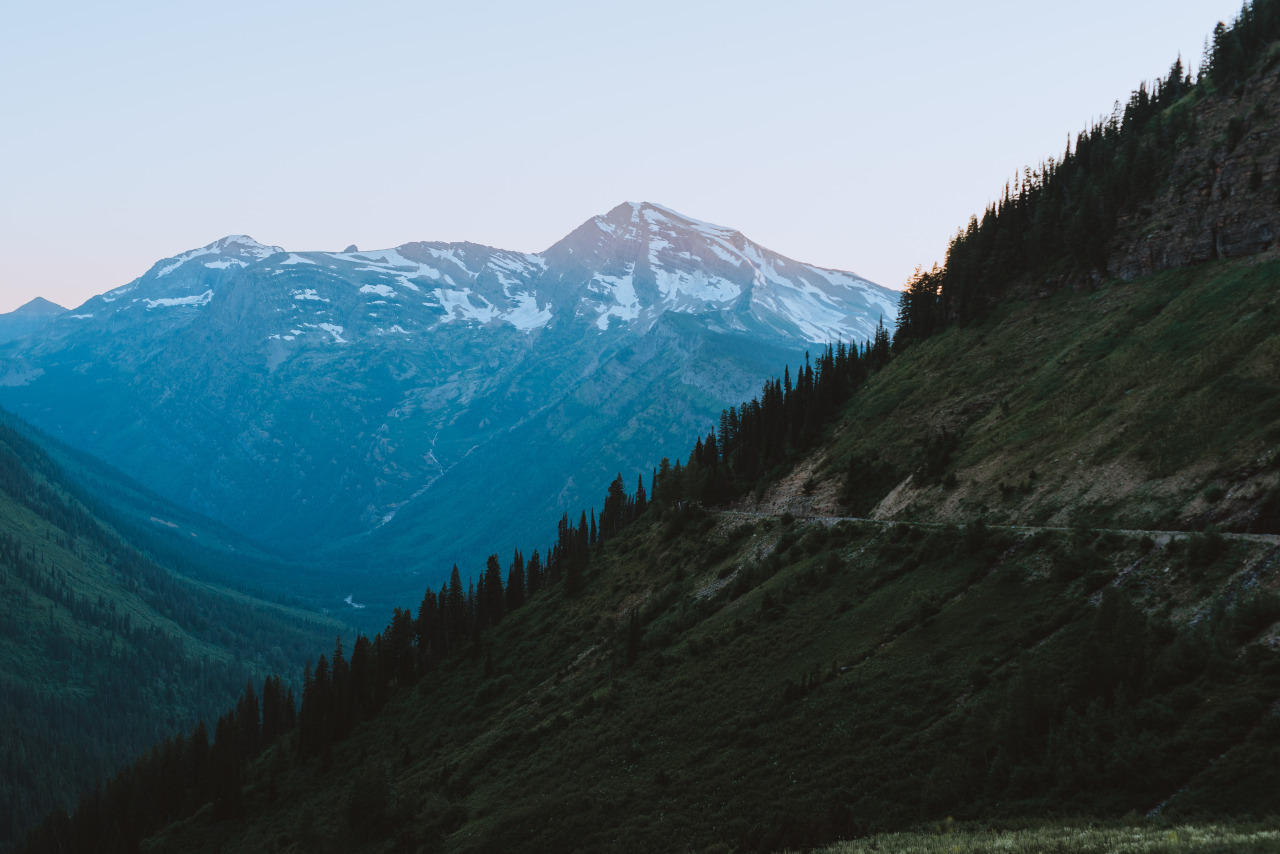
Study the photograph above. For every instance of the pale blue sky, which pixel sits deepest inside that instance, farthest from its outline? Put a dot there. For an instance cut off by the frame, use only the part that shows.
(851, 135)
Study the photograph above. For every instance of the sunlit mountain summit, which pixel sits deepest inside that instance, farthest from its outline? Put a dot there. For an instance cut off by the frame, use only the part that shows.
(311, 399)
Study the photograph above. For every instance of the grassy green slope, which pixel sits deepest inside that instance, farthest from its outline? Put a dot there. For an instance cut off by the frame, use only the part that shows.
(798, 684)
(1146, 404)
(105, 651)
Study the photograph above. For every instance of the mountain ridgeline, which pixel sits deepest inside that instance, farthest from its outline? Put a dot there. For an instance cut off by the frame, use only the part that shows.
(28, 318)
(373, 413)
(1021, 563)
(1183, 172)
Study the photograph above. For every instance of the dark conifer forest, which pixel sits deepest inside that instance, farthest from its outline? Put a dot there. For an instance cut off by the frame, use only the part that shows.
(106, 650)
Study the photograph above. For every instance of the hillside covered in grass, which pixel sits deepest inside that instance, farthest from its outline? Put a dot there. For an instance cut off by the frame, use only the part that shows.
(1145, 404)
(792, 684)
(736, 674)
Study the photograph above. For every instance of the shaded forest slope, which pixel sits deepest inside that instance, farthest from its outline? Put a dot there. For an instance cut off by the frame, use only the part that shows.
(106, 651)
(765, 682)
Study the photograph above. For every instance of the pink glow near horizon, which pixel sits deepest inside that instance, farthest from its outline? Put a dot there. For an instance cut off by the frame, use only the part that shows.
(846, 135)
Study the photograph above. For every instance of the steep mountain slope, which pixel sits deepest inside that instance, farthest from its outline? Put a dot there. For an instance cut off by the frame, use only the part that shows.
(783, 682)
(28, 318)
(794, 684)
(1146, 404)
(991, 647)
(742, 677)
(313, 399)
(105, 651)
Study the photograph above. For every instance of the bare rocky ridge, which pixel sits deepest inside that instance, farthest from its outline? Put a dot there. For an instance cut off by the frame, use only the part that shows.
(1223, 198)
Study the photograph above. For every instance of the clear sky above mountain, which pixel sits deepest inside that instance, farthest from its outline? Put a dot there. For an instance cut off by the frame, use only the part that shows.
(846, 134)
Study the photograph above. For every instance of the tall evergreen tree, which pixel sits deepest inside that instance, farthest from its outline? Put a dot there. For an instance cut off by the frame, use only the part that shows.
(515, 582)
(457, 608)
(494, 594)
(534, 573)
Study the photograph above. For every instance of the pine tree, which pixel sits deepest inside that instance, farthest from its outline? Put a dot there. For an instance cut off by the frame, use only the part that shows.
(641, 504)
(226, 765)
(515, 583)
(493, 592)
(427, 627)
(363, 675)
(248, 724)
(612, 517)
(344, 714)
(456, 607)
(399, 638)
(534, 574)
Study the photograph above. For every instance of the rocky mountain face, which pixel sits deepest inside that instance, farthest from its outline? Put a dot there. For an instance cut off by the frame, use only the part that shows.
(441, 400)
(28, 318)
(1223, 197)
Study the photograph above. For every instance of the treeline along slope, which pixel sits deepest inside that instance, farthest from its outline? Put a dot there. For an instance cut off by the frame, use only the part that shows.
(668, 676)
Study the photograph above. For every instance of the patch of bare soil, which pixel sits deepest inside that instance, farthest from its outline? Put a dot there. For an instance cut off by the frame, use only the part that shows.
(801, 493)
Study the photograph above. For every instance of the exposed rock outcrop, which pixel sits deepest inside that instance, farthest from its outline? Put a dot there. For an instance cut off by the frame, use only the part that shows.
(1222, 198)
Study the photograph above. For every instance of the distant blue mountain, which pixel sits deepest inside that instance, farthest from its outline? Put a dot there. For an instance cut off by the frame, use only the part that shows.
(28, 318)
(399, 409)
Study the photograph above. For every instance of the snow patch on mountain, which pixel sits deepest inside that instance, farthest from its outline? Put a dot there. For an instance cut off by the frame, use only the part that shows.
(236, 248)
(526, 316)
(680, 288)
(200, 299)
(707, 228)
(626, 305)
(458, 305)
(182, 259)
(333, 329)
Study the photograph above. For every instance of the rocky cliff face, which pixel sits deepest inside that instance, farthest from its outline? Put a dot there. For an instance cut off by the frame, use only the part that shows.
(1222, 199)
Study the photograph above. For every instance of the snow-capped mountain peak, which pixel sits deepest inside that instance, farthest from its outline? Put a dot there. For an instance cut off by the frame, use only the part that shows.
(622, 269)
(641, 259)
(300, 395)
(233, 250)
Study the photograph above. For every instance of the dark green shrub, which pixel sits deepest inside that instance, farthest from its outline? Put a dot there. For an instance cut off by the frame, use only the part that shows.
(1254, 612)
(1205, 548)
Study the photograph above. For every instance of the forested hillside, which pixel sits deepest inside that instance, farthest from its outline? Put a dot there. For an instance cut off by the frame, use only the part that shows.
(107, 651)
(668, 674)
(1020, 565)
(1183, 172)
